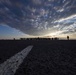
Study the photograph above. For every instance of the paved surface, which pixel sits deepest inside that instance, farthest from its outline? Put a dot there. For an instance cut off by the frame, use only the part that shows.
(10, 66)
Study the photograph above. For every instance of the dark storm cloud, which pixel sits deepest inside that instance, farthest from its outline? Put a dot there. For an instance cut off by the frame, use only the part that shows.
(39, 17)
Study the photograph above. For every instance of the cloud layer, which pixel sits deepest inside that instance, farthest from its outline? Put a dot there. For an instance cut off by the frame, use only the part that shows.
(39, 17)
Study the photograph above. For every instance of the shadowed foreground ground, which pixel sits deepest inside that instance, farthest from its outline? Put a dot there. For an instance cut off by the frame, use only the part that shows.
(46, 57)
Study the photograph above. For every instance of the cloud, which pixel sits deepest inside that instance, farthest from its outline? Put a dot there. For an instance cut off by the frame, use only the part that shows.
(39, 17)
(67, 18)
(37, 2)
(69, 24)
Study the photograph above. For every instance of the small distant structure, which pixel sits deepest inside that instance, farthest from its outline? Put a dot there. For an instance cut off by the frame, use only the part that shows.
(67, 37)
(38, 38)
(14, 39)
(22, 38)
(55, 38)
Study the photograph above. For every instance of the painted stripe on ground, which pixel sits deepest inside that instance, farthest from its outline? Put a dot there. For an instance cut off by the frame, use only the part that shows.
(10, 66)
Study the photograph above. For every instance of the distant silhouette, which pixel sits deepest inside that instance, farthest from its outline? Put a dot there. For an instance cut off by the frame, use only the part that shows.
(22, 38)
(14, 39)
(67, 37)
(52, 38)
(38, 38)
(55, 38)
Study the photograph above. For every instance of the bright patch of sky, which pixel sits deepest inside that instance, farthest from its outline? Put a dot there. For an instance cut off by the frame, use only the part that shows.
(7, 32)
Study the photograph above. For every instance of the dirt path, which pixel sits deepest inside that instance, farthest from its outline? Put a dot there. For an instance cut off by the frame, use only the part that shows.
(10, 66)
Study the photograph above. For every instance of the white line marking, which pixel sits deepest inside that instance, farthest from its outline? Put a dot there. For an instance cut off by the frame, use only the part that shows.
(10, 66)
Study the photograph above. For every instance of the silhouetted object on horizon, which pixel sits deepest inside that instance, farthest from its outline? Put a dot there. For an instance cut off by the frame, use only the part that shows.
(22, 38)
(14, 39)
(55, 38)
(52, 38)
(67, 37)
(38, 38)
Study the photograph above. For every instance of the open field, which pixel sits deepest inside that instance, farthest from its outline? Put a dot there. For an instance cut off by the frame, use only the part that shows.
(47, 57)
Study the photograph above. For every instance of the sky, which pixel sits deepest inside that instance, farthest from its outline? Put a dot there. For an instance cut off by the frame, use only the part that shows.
(36, 18)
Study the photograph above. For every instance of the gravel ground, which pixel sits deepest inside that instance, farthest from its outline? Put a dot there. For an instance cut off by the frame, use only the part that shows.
(46, 57)
(10, 66)
(50, 58)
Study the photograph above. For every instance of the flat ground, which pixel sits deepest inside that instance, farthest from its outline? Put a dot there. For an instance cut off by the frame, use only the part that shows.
(47, 57)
